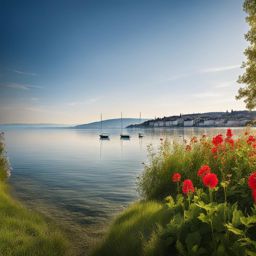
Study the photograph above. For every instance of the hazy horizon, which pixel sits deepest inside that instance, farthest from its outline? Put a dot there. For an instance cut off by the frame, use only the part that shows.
(68, 61)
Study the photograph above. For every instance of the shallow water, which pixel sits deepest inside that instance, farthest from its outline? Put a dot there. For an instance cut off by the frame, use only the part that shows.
(75, 177)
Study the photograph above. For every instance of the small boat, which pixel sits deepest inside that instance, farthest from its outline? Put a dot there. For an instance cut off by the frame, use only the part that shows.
(123, 136)
(103, 136)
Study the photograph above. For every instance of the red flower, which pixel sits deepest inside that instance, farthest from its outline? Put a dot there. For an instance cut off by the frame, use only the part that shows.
(252, 181)
(203, 170)
(230, 141)
(188, 187)
(214, 150)
(210, 180)
(217, 140)
(251, 139)
(254, 195)
(229, 133)
(176, 177)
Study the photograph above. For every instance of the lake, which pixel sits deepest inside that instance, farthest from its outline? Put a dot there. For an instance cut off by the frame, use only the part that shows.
(76, 178)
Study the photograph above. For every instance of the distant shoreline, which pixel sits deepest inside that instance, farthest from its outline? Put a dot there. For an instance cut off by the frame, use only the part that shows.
(203, 120)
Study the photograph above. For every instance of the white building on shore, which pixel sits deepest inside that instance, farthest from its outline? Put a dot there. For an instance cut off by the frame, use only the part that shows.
(209, 122)
(189, 123)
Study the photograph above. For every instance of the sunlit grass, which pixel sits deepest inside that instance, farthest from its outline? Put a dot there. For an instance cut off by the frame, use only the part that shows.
(131, 231)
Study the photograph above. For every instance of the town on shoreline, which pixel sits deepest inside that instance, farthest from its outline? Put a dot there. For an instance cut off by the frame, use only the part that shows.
(210, 119)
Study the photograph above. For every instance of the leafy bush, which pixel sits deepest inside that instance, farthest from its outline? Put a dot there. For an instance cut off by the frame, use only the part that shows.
(215, 215)
(201, 227)
(232, 160)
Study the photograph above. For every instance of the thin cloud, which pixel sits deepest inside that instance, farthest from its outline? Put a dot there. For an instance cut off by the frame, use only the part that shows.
(219, 69)
(24, 87)
(203, 71)
(17, 86)
(24, 73)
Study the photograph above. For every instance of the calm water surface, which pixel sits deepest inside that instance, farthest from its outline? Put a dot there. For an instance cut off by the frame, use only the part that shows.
(75, 177)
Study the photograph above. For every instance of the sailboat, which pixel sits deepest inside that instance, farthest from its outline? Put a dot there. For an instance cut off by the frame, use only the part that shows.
(103, 136)
(140, 135)
(123, 136)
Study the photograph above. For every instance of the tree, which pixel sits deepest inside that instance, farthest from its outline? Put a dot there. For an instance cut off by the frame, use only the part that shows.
(248, 92)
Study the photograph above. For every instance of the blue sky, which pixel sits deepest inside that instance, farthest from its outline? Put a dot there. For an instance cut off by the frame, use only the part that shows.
(69, 61)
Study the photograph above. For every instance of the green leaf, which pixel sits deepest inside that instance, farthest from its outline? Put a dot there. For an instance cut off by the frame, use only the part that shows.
(237, 214)
(234, 230)
(248, 221)
(221, 251)
(250, 253)
(247, 242)
(193, 239)
(180, 248)
(204, 218)
(169, 201)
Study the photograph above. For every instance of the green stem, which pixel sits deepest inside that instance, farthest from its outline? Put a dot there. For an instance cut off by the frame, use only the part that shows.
(188, 200)
(183, 206)
(210, 195)
(212, 232)
(225, 194)
(225, 206)
(178, 187)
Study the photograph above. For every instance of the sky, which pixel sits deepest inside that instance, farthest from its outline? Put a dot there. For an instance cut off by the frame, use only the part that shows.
(68, 61)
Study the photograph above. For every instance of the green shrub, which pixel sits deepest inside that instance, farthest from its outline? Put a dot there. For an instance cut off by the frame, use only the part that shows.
(201, 227)
(233, 162)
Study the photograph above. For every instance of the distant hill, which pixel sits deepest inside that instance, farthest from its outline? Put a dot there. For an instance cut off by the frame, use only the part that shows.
(111, 123)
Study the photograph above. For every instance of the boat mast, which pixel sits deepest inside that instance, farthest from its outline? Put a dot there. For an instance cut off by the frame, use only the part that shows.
(121, 122)
(101, 122)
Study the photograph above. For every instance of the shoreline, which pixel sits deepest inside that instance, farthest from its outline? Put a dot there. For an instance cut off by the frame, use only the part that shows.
(26, 231)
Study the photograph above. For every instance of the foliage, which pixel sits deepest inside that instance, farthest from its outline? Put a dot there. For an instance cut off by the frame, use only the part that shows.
(24, 232)
(249, 76)
(231, 159)
(201, 227)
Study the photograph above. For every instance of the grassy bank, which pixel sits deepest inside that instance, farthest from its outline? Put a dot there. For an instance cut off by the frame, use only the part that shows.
(199, 198)
(24, 232)
(133, 232)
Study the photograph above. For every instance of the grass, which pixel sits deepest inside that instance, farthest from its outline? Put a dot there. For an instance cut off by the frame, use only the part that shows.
(25, 232)
(133, 232)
